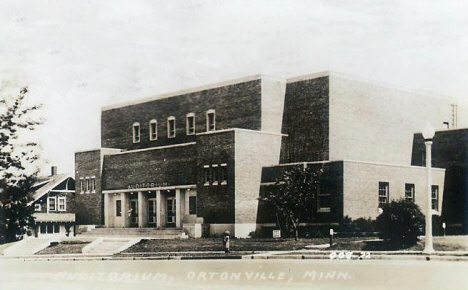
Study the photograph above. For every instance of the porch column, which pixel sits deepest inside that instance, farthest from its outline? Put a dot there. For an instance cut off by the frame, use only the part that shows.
(177, 196)
(125, 208)
(140, 209)
(106, 209)
(158, 209)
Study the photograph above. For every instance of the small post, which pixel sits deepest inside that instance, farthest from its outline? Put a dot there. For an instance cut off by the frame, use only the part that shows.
(443, 228)
(331, 237)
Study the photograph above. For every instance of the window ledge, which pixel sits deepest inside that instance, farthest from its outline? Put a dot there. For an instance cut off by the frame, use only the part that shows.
(324, 209)
(223, 182)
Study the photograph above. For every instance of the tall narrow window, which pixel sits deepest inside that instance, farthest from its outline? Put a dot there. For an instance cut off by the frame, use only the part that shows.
(88, 186)
(409, 192)
(190, 124)
(136, 132)
(171, 127)
(118, 207)
(383, 193)
(153, 126)
(324, 198)
(82, 185)
(206, 175)
(93, 184)
(52, 203)
(192, 205)
(223, 173)
(214, 174)
(435, 197)
(210, 120)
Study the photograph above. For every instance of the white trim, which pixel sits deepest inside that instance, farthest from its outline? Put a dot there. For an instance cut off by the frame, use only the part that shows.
(151, 133)
(210, 111)
(150, 188)
(243, 130)
(308, 77)
(185, 92)
(223, 164)
(64, 203)
(37, 207)
(156, 148)
(61, 191)
(187, 128)
(136, 124)
(206, 166)
(171, 118)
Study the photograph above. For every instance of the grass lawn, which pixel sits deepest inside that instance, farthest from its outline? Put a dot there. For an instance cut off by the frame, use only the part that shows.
(450, 243)
(213, 244)
(65, 247)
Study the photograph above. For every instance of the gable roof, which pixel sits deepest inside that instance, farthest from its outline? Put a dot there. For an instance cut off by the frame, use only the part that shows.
(46, 184)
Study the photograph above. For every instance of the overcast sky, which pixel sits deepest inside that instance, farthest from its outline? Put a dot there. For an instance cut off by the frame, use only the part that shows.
(78, 56)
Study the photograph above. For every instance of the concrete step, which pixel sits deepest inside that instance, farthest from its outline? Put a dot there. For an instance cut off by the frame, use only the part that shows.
(109, 245)
(28, 246)
(142, 232)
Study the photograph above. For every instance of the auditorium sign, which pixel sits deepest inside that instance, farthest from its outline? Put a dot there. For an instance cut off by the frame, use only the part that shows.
(148, 185)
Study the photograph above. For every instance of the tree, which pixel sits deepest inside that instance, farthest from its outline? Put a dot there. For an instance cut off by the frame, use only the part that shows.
(18, 167)
(295, 196)
(401, 222)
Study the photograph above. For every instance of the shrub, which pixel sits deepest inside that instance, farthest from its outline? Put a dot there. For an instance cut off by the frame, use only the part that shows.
(359, 225)
(401, 222)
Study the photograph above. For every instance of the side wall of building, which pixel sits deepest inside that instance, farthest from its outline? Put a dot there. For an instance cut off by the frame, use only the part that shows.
(89, 206)
(375, 123)
(236, 106)
(361, 186)
(306, 121)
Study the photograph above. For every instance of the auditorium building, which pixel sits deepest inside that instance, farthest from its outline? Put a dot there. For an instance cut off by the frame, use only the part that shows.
(200, 159)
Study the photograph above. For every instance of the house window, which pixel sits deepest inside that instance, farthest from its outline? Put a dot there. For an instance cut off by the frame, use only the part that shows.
(136, 132)
(43, 228)
(37, 207)
(171, 127)
(62, 204)
(50, 229)
(56, 228)
(52, 203)
(190, 124)
(409, 192)
(193, 205)
(435, 197)
(383, 193)
(82, 185)
(223, 173)
(87, 185)
(153, 128)
(324, 199)
(118, 207)
(206, 175)
(210, 120)
(214, 174)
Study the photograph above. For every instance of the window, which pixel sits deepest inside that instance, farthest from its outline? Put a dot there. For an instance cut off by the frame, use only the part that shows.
(210, 120)
(190, 124)
(192, 205)
(214, 174)
(37, 207)
(136, 132)
(52, 203)
(43, 228)
(62, 203)
(56, 228)
(87, 185)
(118, 207)
(435, 197)
(223, 173)
(383, 193)
(93, 184)
(171, 127)
(206, 175)
(50, 229)
(82, 185)
(153, 128)
(324, 199)
(409, 192)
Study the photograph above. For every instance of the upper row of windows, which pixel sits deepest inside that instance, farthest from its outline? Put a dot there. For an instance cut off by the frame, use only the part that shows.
(171, 126)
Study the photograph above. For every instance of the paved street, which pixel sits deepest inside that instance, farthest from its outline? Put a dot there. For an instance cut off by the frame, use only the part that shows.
(233, 274)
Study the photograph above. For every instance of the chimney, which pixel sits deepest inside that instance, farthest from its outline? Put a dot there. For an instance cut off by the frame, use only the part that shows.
(53, 170)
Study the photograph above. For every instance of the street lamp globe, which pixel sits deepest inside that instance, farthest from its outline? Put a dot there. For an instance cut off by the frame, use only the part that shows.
(428, 132)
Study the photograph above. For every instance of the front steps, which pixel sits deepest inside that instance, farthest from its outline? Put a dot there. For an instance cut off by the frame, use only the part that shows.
(109, 246)
(152, 233)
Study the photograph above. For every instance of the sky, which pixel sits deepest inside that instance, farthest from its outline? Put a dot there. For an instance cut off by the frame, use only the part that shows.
(78, 56)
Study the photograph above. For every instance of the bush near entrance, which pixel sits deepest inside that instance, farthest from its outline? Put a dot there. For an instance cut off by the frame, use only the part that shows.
(401, 223)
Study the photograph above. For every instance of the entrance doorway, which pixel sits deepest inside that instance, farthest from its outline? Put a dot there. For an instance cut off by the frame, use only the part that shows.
(134, 213)
(152, 212)
(171, 212)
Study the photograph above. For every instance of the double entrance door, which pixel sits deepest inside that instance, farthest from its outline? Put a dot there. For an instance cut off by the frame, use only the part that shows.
(133, 213)
(170, 212)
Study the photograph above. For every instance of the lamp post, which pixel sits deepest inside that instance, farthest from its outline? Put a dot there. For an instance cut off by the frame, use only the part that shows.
(428, 133)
